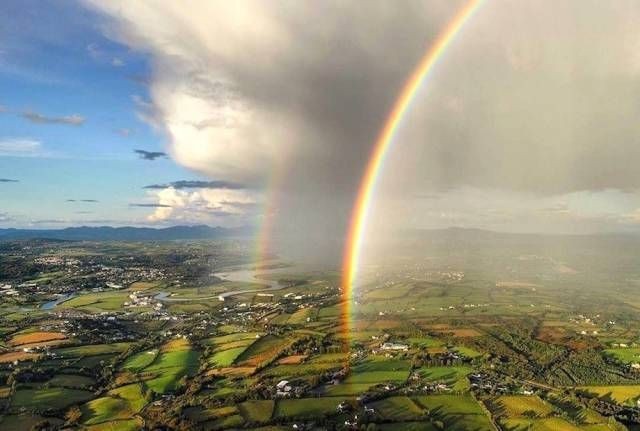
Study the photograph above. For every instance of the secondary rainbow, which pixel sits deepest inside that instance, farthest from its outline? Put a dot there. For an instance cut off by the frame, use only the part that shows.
(380, 149)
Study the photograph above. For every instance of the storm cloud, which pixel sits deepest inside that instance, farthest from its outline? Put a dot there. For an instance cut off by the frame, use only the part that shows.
(529, 101)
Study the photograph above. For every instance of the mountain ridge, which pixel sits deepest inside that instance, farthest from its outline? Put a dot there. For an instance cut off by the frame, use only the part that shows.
(127, 233)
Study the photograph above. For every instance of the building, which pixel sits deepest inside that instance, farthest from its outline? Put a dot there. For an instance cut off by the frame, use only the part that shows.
(394, 346)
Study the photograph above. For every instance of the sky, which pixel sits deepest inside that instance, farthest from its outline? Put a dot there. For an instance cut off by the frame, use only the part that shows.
(219, 112)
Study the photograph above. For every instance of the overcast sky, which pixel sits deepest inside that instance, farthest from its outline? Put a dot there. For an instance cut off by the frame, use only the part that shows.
(529, 122)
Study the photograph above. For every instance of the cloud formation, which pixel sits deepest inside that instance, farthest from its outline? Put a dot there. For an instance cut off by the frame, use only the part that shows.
(143, 205)
(150, 155)
(70, 120)
(8, 180)
(90, 201)
(529, 101)
(20, 147)
(208, 205)
(196, 184)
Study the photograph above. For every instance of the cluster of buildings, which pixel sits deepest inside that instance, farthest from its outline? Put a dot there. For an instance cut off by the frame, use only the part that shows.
(137, 299)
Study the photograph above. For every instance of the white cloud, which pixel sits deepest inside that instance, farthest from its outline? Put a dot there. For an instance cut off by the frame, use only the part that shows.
(20, 147)
(214, 206)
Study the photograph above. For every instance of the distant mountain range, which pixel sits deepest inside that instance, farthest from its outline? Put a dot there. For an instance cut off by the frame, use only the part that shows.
(107, 233)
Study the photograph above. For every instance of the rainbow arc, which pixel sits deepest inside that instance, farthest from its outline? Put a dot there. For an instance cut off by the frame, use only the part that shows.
(374, 167)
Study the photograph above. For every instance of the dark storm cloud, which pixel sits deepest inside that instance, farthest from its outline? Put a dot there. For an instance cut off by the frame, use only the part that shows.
(527, 99)
(8, 180)
(150, 155)
(194, 184)
(70, 120)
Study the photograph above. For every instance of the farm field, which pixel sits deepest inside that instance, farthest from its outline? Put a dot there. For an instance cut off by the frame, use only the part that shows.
(432, 344)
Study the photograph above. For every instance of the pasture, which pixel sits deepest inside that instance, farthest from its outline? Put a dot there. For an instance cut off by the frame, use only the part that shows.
(117, 404)
(621, 394)
(263, 350)
(92, 349)
(45, 398)
(140, 360)
(257, 411)
(176, 360)
(453, 376)
(398, 409)
(521, 405)
(625, 355)
(307, 408)
(457, 412)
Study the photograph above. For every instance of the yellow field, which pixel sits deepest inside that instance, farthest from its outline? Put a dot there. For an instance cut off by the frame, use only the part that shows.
(292, 360)
(18, 356)
(622, 394)
(35, 337)
(521, 405)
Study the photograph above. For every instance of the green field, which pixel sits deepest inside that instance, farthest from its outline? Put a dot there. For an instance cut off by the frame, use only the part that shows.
(49, 398)
(257, 411)
(398, 408)
(117, 404)
(225, 358)
(176, 360)
(625, 355)
(626, 394)
(118, 425)
(457, 412)
(453, 376)
(263, 350)
(521, 405)
(93, 349)
(71, 381)
(467, 352)
(97, 302)
(139, 360)
(307, 407)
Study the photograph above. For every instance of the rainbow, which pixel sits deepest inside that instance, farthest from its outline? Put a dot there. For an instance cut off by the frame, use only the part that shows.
(381, 147)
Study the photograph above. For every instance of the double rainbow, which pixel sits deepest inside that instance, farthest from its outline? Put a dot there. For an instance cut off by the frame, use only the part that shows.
(369, 180)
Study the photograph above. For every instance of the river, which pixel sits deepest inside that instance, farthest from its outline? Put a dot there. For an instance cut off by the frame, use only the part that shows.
(238, 276)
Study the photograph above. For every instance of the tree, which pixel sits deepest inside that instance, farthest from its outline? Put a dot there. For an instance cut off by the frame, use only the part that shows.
(73, 415)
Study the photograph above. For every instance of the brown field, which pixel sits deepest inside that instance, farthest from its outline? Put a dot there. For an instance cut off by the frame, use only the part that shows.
(555, 323)
(292, 360)
(552, 335)
(18, 356)
(36, 337)
(52, 343)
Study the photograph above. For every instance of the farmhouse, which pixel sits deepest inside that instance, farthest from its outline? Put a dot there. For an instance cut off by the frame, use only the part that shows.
(394, 346)
(283, 388)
